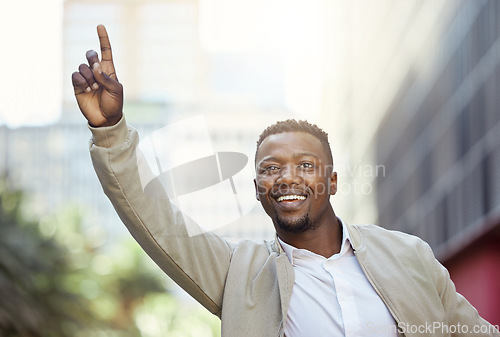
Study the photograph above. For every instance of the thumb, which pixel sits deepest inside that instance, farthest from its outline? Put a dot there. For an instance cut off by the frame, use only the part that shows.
(105, 80)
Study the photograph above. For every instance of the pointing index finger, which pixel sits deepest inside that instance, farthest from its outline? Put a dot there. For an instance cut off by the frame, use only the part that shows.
(106, 55)
(105, 45)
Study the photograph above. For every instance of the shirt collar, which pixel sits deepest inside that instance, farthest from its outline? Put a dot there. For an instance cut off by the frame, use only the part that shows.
(292, 252)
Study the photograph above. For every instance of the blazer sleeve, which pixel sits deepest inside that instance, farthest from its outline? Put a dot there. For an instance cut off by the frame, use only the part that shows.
(200, 263)
(463, 319)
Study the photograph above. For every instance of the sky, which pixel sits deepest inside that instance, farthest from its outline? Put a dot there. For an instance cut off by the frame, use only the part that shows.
(30, 88)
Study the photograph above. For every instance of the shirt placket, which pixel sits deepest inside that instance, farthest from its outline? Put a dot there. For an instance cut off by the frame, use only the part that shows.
(345, 296)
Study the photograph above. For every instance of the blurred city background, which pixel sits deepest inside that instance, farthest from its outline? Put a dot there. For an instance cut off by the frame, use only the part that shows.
(407, 90)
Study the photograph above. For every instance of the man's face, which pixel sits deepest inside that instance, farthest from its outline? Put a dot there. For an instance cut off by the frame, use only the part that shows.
(294, 180)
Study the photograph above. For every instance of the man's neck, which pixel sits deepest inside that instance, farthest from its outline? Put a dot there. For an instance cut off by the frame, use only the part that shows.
(324, 240)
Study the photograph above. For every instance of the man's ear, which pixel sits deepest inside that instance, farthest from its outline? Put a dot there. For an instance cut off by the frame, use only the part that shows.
(333, 183)
(256, 189)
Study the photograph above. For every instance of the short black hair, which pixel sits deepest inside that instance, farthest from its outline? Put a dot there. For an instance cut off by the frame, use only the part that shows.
(292, 125)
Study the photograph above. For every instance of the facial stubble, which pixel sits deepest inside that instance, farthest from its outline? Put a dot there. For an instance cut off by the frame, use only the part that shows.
(299, 225)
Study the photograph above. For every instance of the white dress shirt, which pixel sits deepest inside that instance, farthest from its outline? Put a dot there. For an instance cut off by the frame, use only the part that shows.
(333, 297)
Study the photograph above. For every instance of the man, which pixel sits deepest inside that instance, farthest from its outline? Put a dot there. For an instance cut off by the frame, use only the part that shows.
(320, 277)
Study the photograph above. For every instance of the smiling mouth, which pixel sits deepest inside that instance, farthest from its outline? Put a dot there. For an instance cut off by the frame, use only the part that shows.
(292, 197)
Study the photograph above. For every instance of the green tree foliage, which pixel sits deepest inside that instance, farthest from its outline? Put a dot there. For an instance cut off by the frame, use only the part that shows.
(34, 301)
(60, 276)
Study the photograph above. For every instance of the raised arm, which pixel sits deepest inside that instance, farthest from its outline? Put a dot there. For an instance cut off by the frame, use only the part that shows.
(198, 264)
(97, 90)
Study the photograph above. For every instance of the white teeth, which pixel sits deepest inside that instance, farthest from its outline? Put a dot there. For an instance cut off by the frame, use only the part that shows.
(291, 197)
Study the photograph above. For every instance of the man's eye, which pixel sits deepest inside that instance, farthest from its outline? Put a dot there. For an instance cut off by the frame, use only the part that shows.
(272, 168)
(307, 165)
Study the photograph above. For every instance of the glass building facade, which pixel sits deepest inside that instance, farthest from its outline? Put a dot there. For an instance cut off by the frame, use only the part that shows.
(440, 144)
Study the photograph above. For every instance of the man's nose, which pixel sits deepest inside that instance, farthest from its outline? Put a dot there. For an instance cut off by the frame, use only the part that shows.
(289, 175)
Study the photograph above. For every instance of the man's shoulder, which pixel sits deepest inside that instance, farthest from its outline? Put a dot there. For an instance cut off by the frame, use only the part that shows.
(375, 235)
(384, 247)
(372, 229)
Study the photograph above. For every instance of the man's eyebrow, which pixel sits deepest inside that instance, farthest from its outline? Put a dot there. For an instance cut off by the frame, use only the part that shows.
(270, 158)
(306, 154)
(296, 155)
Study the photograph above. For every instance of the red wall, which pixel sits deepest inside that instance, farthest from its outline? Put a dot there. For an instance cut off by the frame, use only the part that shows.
(476, 274)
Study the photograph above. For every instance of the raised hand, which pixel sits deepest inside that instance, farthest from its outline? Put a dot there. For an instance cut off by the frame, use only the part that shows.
(97, 90)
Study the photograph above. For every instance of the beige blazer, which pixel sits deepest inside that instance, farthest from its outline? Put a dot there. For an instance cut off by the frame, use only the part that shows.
(248, 284)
